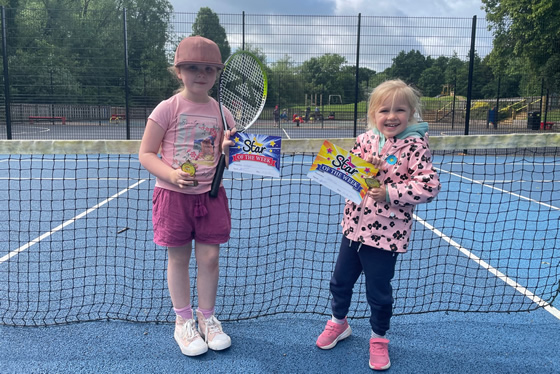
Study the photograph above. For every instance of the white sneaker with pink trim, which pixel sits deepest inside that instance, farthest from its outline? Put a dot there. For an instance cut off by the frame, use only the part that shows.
(188, 338)
(211, 331)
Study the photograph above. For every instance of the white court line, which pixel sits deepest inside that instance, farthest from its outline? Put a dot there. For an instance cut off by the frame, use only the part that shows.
(57, 160)
(41, 129)
(524, 291)
(68, 179)
(268, 179)
(500, 163)
(70, 221)
(549, 308)
(555, 312)
(288, 136)
(498, 181)
(500, 190)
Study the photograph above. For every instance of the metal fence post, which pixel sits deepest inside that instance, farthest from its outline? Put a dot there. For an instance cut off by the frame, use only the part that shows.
(126, 89)
(498, 101)
(542, 94)
(471, 68)
(545, 109)
(454, 99)
(6, 77)
(357, 84)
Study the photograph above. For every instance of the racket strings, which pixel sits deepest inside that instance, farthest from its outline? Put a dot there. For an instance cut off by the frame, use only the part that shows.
(243, 89)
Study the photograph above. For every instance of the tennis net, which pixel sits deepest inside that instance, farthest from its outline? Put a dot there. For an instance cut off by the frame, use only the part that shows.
(77, 239)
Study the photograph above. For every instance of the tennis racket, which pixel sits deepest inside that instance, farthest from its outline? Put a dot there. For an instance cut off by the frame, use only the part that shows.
(242, 89)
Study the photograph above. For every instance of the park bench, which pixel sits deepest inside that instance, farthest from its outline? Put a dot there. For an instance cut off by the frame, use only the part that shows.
(33, 119)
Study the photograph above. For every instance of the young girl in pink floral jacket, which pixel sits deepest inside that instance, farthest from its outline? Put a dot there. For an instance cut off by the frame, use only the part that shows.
(378, 229)
(409, 180)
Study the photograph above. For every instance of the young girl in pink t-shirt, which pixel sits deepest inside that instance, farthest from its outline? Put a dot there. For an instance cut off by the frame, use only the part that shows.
(188, 132)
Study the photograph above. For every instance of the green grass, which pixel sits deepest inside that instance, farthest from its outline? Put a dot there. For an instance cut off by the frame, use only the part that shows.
(300, 109)
(362, 105)
(478, 111)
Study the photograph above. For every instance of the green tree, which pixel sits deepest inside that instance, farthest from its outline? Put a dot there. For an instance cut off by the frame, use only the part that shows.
(431, 81)
(207, 24)
(324, 75)
(379, 78)
(529, 29)
(346, 80)
(456, 74)
(440, 62)
(506, 74)
(408, 66)
(47, 43)
(71, 51)
(272, 87)
(258, 52)
(482, 74)
(365, 75)
(285, 86)
(148, 31)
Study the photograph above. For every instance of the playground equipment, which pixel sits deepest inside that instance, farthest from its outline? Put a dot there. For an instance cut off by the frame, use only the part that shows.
(335, 99)
(447, 90)
(314, 100)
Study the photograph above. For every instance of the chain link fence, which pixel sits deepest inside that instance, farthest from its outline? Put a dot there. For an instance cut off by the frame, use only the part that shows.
(98, 75)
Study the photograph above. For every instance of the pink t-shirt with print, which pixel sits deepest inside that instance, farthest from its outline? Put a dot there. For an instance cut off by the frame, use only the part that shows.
(193, 135)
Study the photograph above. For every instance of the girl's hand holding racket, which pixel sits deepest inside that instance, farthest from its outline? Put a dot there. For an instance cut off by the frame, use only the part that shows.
(242, 89)
(228, 142)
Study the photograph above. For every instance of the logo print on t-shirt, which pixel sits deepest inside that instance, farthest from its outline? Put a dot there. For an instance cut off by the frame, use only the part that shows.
(195, 141)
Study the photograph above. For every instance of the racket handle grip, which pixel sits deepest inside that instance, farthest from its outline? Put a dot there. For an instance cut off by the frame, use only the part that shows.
(218, 176)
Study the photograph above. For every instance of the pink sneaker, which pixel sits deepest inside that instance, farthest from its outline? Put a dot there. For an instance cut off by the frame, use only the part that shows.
(333, 333)
(379, 354)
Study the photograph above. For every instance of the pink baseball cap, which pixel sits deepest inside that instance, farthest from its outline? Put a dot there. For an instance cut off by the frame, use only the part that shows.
(198, 50)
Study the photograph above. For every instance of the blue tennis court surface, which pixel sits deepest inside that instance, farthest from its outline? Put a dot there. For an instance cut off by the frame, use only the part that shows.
(81, 250)
(428, 343)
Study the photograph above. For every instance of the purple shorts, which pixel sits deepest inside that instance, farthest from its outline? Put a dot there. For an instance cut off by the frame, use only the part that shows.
(179, 218)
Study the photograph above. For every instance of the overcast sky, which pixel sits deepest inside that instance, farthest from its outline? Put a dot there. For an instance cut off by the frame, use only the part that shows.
(381, 40)
(405, 8)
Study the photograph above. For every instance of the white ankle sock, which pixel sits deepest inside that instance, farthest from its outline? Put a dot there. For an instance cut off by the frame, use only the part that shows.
(336, 320)
(375, 336)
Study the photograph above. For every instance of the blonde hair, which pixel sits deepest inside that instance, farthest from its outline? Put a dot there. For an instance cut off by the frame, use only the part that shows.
(396, 89)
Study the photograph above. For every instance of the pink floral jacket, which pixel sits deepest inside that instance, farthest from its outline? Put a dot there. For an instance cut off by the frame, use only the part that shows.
(409, 178)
